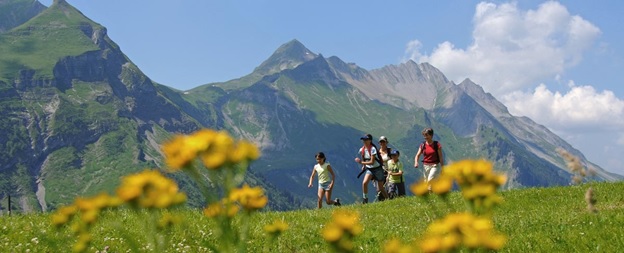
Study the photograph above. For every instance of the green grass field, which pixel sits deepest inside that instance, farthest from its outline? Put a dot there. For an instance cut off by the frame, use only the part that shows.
(534, 220)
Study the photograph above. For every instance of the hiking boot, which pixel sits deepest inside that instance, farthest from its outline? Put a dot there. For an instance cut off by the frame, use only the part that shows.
(379, 196)
(365, 200)
(337, 202)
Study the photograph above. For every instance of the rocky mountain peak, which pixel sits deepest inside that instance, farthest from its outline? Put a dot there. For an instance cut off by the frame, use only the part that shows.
(287, 56)
(486, 100)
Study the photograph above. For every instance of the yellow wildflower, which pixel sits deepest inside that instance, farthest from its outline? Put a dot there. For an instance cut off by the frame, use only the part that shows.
(395, 246)
(177, 154)
(332, 233)
(243, 151)
(150, 189)
(219, 208)
(442, 185)
(213, 210)
(461, 229)
(249, 198)
(214, 160)
(168, 220)
(59, 219)
(348, 221)
(276, 228)
(89, 216)
(495, 242)
(431, 244)
(200, 140)
(420, 189)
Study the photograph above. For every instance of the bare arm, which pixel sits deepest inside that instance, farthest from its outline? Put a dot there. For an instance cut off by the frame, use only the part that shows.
(441, 157)
(416, 157)
(311, 177)
(333, 176)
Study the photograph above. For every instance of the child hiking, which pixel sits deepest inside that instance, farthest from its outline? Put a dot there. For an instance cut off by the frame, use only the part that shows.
(433, 158)
(372, 163)
(325, 183)
(396, 183)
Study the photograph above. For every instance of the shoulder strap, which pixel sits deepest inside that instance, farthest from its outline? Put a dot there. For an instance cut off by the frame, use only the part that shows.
(434, 145)
(378, 155)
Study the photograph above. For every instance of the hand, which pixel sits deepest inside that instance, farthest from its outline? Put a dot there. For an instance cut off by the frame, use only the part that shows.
(310, 185)
(415, 164)
(357, 160)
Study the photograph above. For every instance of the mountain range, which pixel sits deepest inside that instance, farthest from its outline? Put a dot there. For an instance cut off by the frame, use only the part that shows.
(78, 115)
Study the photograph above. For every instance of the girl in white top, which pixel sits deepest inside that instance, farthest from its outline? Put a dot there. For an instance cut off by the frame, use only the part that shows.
(325, 183)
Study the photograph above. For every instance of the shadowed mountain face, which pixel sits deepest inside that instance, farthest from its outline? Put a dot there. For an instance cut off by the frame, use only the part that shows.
(80, 114)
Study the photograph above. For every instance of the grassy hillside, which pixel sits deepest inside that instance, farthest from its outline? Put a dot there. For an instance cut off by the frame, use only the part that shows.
(39, 43)
(534, 220)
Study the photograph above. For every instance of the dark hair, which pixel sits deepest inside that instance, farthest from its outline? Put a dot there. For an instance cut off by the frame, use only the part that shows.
(320, 155)
(428, 131)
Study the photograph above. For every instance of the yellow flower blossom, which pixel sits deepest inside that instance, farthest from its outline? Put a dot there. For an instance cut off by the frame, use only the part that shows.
(177, 154)
(332, 233)
(461, 229)
(431, 244)
(213, 210)
(395, 246)
(200, 140)
(420, 189)
(249, 198)
(442, 185)
(59, 219)
(214, 160)
(168, 220)
(348, 221)
(342, 228)
(243, 151)
(495, 242)
(150, 189)
(219, 208)
(276, 228)
(89, 216)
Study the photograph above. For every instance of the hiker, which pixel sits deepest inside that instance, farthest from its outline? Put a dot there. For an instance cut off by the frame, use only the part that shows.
(384, 152)
(371, 161)
(325, 183)
(396, 183)
(433, 158)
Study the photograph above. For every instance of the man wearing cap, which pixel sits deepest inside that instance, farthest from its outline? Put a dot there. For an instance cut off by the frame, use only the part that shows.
(369, 159)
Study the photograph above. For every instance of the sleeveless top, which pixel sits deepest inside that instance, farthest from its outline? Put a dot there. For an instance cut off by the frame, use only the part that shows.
(323, 172)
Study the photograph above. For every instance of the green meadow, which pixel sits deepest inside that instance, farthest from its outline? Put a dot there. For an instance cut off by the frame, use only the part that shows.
(533, 219)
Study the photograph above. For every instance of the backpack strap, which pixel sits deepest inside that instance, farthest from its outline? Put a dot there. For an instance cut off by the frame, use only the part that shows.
(434, 145)
(377, 156)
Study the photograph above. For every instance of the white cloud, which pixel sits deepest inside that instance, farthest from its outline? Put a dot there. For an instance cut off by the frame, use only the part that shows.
(412, 50)
(513, 49)
(581, 108)
(591, 121)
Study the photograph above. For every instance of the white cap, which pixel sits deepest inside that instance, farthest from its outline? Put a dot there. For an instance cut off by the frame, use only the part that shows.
(383, 138)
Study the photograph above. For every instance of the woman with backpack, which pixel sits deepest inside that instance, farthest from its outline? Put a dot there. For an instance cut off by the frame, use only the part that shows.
(433, 158)
(384, 152)
(371, 161)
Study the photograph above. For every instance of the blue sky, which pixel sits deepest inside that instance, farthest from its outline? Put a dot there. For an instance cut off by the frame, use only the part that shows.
(558, 63)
